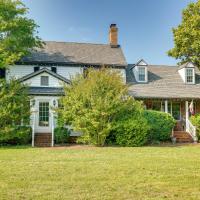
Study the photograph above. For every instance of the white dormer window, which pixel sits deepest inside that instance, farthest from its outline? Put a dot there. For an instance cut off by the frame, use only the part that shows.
(140, 71)
(141, 74)
(189, 75)
(44, 81)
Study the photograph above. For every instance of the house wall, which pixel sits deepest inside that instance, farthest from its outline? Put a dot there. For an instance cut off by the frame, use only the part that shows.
(123, 74)
(18, 71)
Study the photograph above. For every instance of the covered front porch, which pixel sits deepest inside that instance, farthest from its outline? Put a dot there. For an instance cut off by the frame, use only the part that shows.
(180, 109)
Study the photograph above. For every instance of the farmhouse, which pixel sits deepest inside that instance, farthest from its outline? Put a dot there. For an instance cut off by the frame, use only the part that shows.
(172, 89)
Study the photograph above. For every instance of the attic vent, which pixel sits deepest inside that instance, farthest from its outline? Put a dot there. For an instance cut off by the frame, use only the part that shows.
(44, 81)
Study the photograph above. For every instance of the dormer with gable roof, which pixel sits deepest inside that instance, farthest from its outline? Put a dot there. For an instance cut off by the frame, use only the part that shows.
(140, 71)
(187, 73)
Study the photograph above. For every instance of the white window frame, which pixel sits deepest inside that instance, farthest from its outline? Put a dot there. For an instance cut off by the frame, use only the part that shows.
(145, 74)
(186, 76)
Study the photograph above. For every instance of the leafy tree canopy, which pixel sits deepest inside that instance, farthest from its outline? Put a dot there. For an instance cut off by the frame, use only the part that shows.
(14, 104)
(17, 32)
(187, 36)
(91, 105)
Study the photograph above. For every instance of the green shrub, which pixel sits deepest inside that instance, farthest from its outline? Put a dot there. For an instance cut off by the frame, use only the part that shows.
(196, 122)
(92, 104)
(129, 132)
(61, 135)
(161, 125)
(15, 135)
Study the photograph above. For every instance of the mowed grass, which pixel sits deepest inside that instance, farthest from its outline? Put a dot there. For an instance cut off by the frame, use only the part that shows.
(100, 173)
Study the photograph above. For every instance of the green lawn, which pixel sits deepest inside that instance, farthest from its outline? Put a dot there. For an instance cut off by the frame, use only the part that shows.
(100, 173)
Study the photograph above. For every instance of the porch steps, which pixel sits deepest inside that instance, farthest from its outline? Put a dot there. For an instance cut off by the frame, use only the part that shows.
(183, 137)
(43, 139)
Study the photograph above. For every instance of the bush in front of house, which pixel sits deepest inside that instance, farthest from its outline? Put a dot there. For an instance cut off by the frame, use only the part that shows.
(131, 132)
(196, 122)
(15, 135)
(161, 125)
(130, 128)
(61, 135)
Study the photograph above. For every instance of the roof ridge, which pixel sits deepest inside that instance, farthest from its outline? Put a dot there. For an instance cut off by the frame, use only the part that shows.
(155, 65)
(77, 42)
(163, 65)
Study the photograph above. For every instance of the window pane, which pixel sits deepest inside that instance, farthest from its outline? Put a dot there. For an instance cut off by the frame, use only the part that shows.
(44, 114)
(189, 75)
(54, 69)
(141, 73)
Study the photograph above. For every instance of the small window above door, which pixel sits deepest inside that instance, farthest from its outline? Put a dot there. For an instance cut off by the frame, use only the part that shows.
(44, 81)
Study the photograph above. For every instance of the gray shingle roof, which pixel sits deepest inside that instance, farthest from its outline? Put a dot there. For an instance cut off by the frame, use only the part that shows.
(163, 82)
(83, 53)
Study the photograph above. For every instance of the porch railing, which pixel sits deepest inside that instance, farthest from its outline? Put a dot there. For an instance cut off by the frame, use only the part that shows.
(191, 129)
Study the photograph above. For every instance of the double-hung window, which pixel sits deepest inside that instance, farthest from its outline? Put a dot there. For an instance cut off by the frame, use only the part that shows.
(189, 76)
(141, 74)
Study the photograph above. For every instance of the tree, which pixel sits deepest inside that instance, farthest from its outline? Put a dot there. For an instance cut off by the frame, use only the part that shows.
(187, 36)
(14, 104)
(92, 104)
(17, 32)
(14, 113)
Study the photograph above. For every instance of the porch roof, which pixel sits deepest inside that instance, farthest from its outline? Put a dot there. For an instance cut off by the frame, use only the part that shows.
(164, 82)
(45, 91)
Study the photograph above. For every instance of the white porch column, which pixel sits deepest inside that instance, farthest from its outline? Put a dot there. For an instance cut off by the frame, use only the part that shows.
(52, 121)
(33, 113)
(186, 114)
(33, 130)
(166, 106)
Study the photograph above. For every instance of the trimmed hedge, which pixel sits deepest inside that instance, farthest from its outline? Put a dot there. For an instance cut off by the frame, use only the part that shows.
(61, 135)
(161, 125)
(196, 122)
(139, 129)
(129, 132)
(15, 135)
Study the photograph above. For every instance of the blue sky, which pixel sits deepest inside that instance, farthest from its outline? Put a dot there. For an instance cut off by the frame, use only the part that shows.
(144, 25)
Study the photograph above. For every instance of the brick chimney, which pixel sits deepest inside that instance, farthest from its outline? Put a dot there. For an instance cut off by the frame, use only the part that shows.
(113, 36)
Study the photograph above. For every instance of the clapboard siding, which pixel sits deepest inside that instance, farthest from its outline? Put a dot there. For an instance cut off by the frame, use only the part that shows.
(18, 71)
(68, 71)
(123, 74)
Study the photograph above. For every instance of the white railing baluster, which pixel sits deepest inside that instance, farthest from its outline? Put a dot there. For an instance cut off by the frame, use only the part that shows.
(191, 129)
